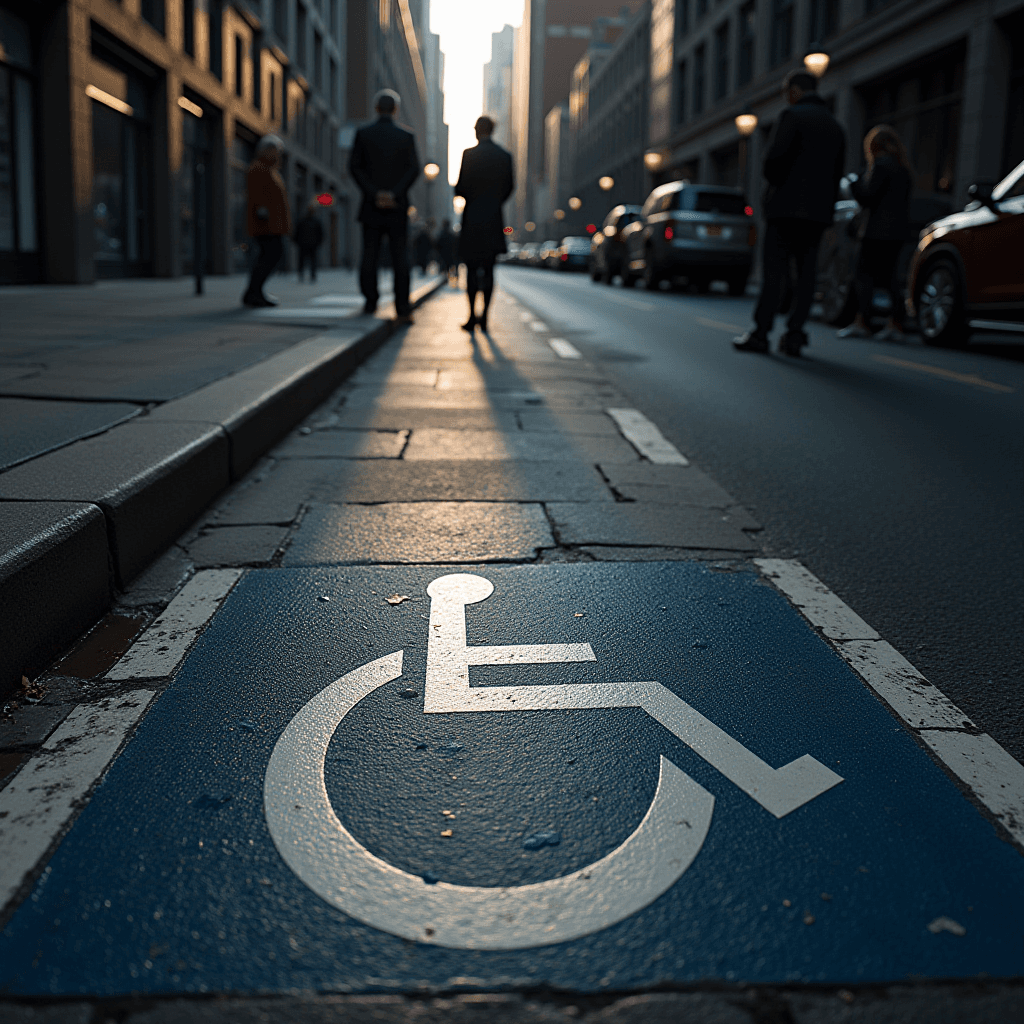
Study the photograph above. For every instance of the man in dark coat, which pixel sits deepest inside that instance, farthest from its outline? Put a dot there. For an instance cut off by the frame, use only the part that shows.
(384, 165)
(485, 182)
(802, 167)
(309, 234)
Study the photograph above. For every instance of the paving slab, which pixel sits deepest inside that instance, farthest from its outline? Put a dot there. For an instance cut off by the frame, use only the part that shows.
(150, 479)
(562, 421)
(55, 581)
(421, 532)
(682, 485)
(449, 419)
(236, 545)
(429, 398)
(31, 427)
(343, 444)
(432, 443)
(648, 525)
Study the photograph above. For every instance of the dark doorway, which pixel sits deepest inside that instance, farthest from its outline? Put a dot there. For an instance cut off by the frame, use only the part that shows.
(196, 192)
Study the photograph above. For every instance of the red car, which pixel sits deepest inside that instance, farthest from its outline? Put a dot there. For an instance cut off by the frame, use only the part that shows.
(969, 266)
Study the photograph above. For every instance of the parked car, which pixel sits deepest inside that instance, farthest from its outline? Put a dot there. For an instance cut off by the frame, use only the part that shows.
(970, 265)
(837, 255)
(574, 253)
(607, 249)
(549, 254)
(703, 232)
(527, 255)
(509, 256)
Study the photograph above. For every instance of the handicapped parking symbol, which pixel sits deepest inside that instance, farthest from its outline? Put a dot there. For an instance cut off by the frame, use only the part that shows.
(339, 869)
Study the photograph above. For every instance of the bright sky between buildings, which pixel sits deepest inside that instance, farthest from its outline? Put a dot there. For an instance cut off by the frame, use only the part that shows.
(465, 28)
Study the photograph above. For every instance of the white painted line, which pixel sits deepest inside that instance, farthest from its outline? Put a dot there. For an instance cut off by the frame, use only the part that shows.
(565, 349)
(160, 650)
(347, 300)
(525, 316)
(538, 325)
(646, 438)
(40, 800)
(994, 778)
(819, 605)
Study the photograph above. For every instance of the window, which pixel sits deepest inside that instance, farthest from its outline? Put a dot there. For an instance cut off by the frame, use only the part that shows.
(281, 20)
(216, 9)
(300, 36)
(333, 27)
(722, 60)
(680, 107)
(239, 63)
(699, 74)
(824, 20)
(188, 26)
(273, 96)
(782, 31)
(745, 54)
(719, 202)
(153, 12)
(333, 82)
(318, 60)
(682, 17)
(702, 8)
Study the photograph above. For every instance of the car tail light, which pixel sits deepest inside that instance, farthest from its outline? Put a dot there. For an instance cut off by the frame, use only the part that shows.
(748, 210)
(565, 256)
(670, 232)
(752, 236)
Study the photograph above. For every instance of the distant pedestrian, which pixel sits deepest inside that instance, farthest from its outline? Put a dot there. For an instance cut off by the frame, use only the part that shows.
(267, 215)
(884, 195)
(384, 164)
(309, 234)
(485, 182)
(421, 246)
(802, 167)
(445, 245)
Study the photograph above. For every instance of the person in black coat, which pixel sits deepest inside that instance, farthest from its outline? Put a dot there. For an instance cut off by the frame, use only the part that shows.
(485, 182)
(309, 234)
(884, 196)
(803, 166)
(446, 247)
(384, 165)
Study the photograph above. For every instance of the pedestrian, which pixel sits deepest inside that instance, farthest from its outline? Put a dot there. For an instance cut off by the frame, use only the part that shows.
(485, 182)
(884, 222)
(267, 215)
(384, 165)
(445, 245)
(309, 234)
(422, 244)
(803, 166)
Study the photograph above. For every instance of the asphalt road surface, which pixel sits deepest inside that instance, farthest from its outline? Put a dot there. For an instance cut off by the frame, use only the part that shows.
(895, 472)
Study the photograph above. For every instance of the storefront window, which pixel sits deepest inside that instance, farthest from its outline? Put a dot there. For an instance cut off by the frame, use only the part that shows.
(243, 152)
(196, 181)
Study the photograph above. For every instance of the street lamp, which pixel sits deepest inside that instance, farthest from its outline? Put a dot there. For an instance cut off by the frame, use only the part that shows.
(817, 63)
(575, 203)
(559, 214)
(607, 182)
(458, 204)
(746, 125)
(530, 226)
(653, 159)
(431, 171)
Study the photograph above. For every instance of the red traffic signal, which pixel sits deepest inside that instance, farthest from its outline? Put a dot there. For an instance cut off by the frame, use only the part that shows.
(508, 231)
(591, 228)
(325, 199)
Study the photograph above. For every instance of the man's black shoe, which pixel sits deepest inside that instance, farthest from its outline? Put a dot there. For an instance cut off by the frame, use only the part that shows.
(369, 309)
(791, 343)
(751, 342)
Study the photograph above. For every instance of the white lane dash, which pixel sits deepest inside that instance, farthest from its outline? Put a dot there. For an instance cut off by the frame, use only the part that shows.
(646, 438)
(993, 777)
(538, 325)
(565, 349)
(39, 801)
(525, 316)
(160, 650)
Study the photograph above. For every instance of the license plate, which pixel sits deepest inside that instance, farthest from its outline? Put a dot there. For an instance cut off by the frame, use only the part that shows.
(713, 230)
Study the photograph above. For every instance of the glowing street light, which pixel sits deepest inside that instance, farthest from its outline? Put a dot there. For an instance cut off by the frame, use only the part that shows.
(530, 226)
(653, 159)
(817, 63)
(745, 124)
(559, 214)
(431, 171)
(575, 203)
(607, 182)
(458, 204)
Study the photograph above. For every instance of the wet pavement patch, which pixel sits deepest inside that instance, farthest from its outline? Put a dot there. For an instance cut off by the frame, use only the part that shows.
(172, 880)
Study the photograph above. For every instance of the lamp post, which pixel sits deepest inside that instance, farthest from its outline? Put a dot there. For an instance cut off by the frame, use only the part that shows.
(606, 183)
(817, 63)
(430, 172)
(746, 124)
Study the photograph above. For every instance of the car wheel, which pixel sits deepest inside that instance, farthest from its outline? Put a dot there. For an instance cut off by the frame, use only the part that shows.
(737, 285)
(701, 285)
(652, 278)
(838, 301)
(940, 304)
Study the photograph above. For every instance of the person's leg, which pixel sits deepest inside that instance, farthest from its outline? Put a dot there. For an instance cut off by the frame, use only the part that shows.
(368, 266)
(312, 264)
(472, 286)
(804, 248)
(486, 282)
(774, 265)
(271, 248)
(888, 271)
(398, 235)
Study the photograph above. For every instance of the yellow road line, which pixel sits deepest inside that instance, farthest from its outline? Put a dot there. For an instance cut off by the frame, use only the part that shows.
(938, 371)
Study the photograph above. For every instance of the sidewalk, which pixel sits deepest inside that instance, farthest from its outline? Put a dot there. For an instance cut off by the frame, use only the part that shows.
(125, 408)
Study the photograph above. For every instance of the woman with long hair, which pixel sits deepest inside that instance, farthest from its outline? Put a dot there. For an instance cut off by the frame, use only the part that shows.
(884, 194)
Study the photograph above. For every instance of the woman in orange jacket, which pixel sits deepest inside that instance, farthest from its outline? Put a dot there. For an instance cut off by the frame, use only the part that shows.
(268, 216)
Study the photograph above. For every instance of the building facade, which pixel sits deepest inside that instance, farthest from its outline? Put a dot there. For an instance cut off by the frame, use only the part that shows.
(498, 85)
(947, 74)
(137, 121)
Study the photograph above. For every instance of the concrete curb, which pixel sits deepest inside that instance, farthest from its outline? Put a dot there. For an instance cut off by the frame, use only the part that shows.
(82, 521)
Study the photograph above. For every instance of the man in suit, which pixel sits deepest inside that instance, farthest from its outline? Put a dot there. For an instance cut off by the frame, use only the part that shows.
(267, 215)
(803, 166)
(485, 182)
(384, 165)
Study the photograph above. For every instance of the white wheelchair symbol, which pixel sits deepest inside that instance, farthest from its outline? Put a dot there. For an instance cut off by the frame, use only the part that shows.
(339, 869)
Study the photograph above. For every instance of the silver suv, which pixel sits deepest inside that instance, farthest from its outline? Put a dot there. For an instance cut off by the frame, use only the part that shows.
(702, 232)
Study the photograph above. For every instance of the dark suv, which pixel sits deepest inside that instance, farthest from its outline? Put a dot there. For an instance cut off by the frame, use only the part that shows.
(607, 249)
(702, 232)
